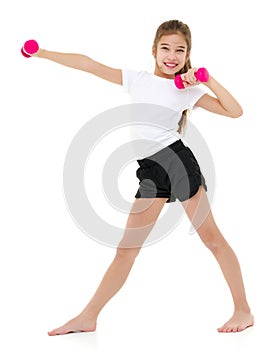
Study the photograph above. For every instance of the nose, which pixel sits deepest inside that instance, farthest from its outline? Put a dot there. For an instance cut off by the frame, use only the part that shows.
(171, 55)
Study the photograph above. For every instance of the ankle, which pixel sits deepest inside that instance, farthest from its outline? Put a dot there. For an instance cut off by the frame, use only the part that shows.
(244, 308)
(88, 316)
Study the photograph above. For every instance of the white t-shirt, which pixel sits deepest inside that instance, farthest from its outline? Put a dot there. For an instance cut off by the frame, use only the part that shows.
(157, 108)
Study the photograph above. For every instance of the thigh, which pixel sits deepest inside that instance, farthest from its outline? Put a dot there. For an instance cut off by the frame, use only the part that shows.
(199, 212)
(142, 217)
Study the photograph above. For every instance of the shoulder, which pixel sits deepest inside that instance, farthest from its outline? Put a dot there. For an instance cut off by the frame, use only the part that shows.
(130, 77)
(133, 74)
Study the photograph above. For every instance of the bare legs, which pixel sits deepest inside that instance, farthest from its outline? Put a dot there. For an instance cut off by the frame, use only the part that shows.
(198, 210)
(140, 222)
(144, 214)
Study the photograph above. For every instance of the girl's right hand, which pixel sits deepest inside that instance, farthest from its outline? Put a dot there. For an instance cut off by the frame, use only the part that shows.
(38, 53)
(189, 78)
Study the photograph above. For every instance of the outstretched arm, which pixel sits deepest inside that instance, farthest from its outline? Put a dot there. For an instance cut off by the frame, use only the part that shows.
(84, 63)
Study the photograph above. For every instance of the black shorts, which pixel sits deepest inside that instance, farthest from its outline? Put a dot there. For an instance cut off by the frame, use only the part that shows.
(171, 173)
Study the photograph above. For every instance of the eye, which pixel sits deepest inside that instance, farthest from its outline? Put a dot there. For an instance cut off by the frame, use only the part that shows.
(164, 48)
(181, 50)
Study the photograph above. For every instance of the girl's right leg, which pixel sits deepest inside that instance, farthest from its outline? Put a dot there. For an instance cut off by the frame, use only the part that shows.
(141, 220)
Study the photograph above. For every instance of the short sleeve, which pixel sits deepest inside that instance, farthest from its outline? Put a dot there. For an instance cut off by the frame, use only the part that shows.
(194, 94)
(128, 77)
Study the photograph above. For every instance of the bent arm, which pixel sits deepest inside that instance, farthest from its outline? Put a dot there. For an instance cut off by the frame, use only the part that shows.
(224, 103)
(84, 63)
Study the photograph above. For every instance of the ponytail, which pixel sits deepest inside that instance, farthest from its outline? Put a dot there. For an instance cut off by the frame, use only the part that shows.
(183, 121)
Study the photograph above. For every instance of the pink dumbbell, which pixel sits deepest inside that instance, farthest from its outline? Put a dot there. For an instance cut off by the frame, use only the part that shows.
(202, 75)
(29, 48)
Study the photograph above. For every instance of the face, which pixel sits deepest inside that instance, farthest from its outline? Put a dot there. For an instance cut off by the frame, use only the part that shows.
(170, 55)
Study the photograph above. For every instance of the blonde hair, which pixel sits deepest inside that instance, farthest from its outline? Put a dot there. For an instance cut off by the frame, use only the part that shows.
(173, 27)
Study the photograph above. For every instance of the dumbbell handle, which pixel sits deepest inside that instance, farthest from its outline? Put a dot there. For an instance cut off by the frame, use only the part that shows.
(202, 75)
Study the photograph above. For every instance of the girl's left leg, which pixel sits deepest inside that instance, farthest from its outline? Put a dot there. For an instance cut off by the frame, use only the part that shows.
(199, 212)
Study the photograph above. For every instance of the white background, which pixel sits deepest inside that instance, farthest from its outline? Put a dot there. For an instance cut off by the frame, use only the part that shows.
(175, 296)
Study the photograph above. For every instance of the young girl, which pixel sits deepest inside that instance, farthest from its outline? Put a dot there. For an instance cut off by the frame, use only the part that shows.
(171, 50)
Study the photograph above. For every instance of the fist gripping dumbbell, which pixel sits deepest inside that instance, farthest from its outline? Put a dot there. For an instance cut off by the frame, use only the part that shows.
(29, 48)
(202, 75)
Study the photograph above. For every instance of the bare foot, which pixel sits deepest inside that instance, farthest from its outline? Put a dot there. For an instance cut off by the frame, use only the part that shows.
(239, 321)
(76, 325)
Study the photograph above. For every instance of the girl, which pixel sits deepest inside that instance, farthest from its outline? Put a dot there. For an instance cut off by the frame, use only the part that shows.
(171, 50)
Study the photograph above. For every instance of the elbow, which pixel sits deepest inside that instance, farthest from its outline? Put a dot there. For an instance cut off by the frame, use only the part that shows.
(237, 114)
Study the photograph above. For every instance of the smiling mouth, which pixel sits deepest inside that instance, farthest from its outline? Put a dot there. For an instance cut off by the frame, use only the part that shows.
(170, 65)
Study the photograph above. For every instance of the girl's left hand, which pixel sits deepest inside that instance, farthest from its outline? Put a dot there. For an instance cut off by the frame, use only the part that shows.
(189, 77)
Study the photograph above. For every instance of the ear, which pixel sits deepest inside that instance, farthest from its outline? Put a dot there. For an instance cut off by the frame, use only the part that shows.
(154, 51)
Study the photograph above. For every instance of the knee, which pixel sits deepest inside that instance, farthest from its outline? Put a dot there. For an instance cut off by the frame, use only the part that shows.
(213, 245)
(213, 242)
(127, 253)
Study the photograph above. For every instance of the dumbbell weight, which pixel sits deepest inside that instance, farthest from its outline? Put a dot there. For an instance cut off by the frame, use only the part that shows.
(202, 75)
(29, 48)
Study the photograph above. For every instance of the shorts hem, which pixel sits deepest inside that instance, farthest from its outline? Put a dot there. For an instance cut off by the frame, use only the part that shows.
(194, 192)
(137, 196)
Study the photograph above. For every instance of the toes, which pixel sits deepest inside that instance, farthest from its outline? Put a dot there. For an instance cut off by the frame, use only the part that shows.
(231, 329)
(223, 330)
(52, 333)
(227, 329)
(58, 331)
